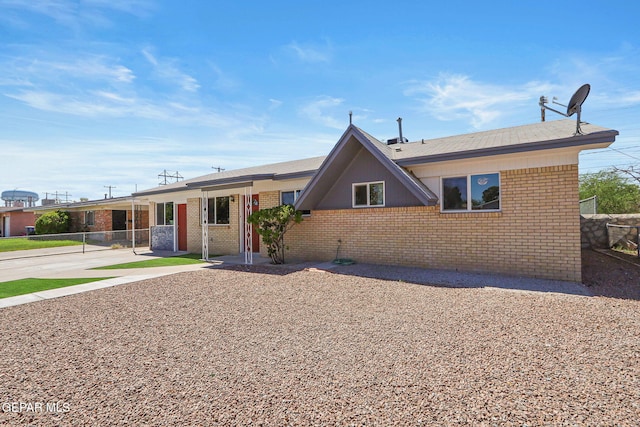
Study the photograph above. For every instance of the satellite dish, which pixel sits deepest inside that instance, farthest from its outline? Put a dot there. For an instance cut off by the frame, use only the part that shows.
(575, 103)
(574, 106)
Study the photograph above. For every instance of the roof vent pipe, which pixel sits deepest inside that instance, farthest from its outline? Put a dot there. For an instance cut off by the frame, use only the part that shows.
(400, 129)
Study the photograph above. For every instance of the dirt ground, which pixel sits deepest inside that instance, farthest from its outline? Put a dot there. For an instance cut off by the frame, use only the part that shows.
(611, 274)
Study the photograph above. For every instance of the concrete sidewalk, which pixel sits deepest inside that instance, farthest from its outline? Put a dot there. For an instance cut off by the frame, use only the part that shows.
(55, 263)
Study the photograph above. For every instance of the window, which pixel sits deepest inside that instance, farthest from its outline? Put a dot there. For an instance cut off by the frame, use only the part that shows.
(164, 213)
(368, 194)
(483, 190)
(89, 218)
(218, 210)
(289, 197)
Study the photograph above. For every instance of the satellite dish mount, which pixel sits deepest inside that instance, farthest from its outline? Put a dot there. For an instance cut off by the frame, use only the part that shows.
(574, 106)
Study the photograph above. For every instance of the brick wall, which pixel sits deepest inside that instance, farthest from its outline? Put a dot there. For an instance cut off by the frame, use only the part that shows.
(142, 219)
(269, 199)
(536, 234)
(102, 221)
(223, 239)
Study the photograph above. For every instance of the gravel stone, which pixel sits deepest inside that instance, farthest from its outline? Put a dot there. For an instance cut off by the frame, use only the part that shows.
(284, 346)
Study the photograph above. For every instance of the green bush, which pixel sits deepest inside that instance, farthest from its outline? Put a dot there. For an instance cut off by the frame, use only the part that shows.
(53, 223)
(616, 194)
(272, 224)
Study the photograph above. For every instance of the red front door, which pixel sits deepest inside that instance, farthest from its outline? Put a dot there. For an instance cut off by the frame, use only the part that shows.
(182, 227)
(255, 237)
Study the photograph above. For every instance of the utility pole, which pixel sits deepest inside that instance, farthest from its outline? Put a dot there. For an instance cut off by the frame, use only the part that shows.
(110, 187)
(218, 168)
(166, 175)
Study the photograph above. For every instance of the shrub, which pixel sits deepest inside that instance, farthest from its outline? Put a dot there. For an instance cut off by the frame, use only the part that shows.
(615, 193)
(272, 224)
(53, 223)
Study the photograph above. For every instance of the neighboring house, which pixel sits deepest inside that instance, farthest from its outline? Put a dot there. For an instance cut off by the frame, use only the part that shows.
(15, 220)
(502, 201)
(112, 214)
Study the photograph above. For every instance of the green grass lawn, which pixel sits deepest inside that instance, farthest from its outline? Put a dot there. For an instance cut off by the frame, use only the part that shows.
(23, 243)
(157, 262)
(27, 286)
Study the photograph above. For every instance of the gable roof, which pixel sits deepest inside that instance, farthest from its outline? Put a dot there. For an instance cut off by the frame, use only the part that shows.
(538, 136)
(351, 141)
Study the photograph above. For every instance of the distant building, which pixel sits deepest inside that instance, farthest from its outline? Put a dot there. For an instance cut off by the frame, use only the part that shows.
(19, 198)
(15, 220)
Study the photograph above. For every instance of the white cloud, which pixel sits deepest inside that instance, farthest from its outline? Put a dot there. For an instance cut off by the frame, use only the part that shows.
(458, 97)
(60, 71)
(168, 71)
(274, 104)
(311, 54)
(222, 81)
(322, 110)
(76, 14)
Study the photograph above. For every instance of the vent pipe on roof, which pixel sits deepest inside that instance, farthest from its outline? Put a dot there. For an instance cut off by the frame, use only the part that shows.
(400, 128)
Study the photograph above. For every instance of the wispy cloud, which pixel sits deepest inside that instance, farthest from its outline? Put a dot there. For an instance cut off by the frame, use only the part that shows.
(221, 80)
(323, 110)
(310, 53)
(104, 104)
(29, 70)
(458, 97)
(70, 13)
(167, 70)
(274, 104)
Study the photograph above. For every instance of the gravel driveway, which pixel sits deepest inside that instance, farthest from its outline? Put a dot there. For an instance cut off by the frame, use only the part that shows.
(223, 347)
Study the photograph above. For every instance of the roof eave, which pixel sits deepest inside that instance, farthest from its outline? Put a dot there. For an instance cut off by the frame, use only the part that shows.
(233, 180)
(608, 136)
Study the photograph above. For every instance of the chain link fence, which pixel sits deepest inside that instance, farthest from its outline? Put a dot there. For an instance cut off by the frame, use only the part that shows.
(48, 244)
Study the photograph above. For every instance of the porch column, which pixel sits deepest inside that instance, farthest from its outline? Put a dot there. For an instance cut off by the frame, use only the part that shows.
(204, 214)
(248, 228)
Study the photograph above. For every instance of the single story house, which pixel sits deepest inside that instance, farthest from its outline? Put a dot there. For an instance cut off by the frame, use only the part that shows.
(501, 201)
(16, 221)
(109, 214)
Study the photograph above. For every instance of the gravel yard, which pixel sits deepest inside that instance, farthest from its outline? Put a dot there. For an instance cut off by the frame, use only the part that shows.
(276, 346)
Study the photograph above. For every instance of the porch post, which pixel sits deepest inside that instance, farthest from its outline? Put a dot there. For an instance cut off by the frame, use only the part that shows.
(248, 227)
(204, 205)
(133, 225)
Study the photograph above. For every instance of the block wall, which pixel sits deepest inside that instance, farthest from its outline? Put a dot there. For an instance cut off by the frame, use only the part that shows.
(536, 233)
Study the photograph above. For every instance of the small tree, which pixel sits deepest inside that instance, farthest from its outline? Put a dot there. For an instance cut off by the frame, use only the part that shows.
(272, 224)
(53, 223)
(616, 194)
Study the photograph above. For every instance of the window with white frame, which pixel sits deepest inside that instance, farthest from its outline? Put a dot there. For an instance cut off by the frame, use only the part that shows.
(89, 218)
(479, 192)
(218, 211)
(289, 197)
(164, 213)
(368, 194)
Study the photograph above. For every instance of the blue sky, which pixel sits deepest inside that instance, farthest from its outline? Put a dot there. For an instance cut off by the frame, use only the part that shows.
(97, 93)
